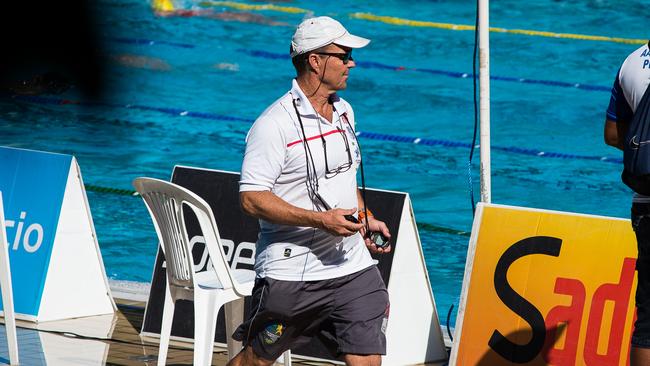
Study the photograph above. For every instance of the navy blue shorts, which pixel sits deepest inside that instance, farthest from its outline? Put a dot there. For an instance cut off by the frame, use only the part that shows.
(641, 225)
(349, 313)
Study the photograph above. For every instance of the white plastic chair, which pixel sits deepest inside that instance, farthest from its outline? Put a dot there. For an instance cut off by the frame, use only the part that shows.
(210, 289)
(7, 292)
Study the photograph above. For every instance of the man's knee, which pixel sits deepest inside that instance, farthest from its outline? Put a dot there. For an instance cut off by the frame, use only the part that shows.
(639, 356)
(248, 357)
(362, 360)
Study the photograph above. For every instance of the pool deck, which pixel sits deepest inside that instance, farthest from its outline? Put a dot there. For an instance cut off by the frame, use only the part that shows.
(102, 340)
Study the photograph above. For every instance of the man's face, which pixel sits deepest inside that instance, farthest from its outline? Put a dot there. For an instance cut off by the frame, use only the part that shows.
(336, 67)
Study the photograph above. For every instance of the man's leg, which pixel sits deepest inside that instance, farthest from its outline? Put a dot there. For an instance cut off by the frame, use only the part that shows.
(639, 356)
(362, 360)
(283, 314)
(269, 330)
(640, 353)
(360, 318)
(248, 358)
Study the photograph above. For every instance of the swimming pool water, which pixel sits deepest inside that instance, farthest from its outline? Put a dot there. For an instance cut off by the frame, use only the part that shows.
(220, 71)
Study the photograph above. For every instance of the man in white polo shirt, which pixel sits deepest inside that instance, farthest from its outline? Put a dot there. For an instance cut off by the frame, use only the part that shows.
(628, 92)
(315, 275)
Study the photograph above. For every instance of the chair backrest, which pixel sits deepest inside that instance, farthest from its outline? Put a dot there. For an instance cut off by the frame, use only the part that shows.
(166, 203)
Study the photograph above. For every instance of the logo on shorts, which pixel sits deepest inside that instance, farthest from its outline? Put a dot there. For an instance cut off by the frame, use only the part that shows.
(384, 322)
(287, 252)
(272, 333)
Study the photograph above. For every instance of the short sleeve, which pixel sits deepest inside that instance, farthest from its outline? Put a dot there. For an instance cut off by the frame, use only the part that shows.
(619, 109)
(264, 156)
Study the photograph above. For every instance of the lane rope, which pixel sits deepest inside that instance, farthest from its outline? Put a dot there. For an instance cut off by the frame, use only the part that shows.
(453, 74)
(129, 192)
(427, 24)
(178, 112)
(120, 191)
(378, 65)
(243, 6)
(466, 27)
(148, 42)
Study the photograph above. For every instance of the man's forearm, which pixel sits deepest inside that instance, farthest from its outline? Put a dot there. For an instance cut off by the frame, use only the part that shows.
(615, 133)
(267, 206)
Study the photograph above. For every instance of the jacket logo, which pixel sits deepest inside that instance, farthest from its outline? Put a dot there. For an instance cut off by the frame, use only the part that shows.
(635, 144)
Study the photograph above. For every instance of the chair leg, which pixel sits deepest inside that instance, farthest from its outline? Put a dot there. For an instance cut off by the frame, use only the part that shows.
(234, 311)
(286, 358)
(166, 327)
(206, 308)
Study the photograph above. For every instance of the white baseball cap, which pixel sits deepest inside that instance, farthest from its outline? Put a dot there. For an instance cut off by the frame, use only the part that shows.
(318, 32)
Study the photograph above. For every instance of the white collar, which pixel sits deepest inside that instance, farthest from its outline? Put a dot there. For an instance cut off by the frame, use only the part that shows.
(304, 105)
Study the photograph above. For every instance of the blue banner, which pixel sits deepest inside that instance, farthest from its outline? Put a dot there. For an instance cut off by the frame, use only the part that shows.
(32, 185)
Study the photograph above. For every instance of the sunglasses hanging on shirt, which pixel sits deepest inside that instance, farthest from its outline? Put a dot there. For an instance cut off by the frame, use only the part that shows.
(377, 238)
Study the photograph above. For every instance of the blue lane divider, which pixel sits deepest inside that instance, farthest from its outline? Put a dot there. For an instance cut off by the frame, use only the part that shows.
(377, 65)
(453, 74)
(171, 111)
(148, 42)
(509, 149)
(179, 112)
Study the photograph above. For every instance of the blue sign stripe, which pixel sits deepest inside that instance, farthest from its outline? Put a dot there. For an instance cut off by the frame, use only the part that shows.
(32, 184)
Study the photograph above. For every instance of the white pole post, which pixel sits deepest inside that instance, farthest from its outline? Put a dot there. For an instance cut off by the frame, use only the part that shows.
(7, 292)
(484, 95)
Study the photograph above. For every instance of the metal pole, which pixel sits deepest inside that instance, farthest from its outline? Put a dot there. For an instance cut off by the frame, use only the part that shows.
(484, 97)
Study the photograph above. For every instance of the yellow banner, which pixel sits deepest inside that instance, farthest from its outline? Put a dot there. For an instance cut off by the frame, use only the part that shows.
(547, 288)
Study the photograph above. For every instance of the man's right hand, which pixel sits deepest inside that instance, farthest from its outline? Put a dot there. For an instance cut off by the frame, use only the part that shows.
(334, 222)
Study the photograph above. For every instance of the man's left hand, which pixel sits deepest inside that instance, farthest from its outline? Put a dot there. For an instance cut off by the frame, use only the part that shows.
(376, 226)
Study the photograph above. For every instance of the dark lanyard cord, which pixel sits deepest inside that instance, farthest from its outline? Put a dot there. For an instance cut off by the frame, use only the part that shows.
(363, 178)
(312, 181)
(312, 184)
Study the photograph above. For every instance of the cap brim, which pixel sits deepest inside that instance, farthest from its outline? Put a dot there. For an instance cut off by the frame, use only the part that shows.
(351, 41)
